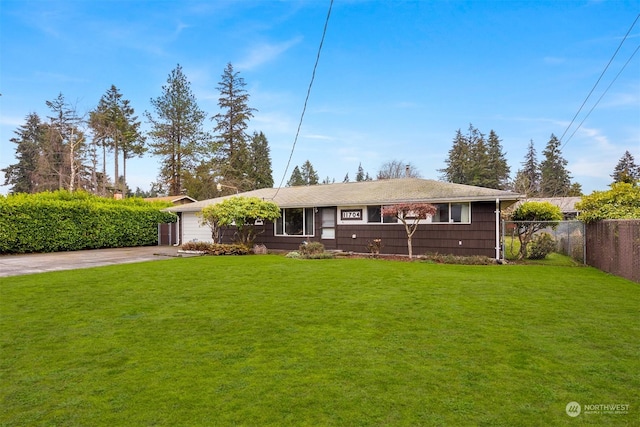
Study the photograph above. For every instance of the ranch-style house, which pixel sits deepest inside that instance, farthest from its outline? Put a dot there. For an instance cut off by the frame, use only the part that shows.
(347, 217)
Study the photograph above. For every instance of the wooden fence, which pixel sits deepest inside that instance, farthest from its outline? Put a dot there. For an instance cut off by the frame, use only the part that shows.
(614, 246)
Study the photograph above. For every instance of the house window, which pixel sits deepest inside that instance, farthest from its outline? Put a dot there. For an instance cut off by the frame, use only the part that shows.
(452, 212)
(295, 222)
(374, 215)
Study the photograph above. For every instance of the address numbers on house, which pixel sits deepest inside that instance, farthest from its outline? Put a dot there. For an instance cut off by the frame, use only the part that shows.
(351, 215)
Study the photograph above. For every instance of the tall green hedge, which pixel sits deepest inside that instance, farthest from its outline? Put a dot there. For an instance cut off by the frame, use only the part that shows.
(64, 221)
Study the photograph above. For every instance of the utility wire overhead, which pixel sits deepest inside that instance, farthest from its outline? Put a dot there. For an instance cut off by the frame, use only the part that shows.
(304, 108)
(601, 96)
(599, 78)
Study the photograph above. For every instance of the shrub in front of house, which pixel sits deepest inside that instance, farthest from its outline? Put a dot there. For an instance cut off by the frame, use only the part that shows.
(216, 248)
(64, 221)
(374, 246)
(310, 250)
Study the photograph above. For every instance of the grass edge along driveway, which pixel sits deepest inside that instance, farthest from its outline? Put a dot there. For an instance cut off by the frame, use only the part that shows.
(266, 340)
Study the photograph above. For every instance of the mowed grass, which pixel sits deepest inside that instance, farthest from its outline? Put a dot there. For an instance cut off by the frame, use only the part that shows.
(266, 340)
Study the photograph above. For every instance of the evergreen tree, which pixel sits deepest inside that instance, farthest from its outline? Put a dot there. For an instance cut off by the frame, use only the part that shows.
(474, 160)
(528, 178)
(296, 178)
(116, 128)
(478, 167)
(498, 168)
(133, 141)
(177, 133)
(554, 177)
(22, 176)
(231, 125)
(201, 184)
(260, 172)
(458, 161)
(328, 180)
(346, 178)
(626, 170)
(309, 174)
(360, 175)
(575, 190)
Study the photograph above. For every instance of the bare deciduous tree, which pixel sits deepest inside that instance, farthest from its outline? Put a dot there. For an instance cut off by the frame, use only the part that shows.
(410, 215)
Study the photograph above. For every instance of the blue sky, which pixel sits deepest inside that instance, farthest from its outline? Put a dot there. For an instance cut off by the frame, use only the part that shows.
(395, 81)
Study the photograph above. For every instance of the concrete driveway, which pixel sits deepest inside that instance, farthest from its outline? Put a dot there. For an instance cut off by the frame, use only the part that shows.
(15, 265)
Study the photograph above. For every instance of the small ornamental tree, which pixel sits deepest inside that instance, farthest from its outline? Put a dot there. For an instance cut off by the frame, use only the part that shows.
(242, 212)
(531, 217)
(410, 215)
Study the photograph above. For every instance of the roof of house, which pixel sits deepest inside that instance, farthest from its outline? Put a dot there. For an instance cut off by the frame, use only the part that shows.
(379, 192)
(173, 199)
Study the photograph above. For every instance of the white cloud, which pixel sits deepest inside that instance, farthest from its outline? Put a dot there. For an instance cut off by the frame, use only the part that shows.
(265, 52)
(316, 136)
(273, 122)
(591, 167)
(179, 27)
(620, 99)
(590, 138)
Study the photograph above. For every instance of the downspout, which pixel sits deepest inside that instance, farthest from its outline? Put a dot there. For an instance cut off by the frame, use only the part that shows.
(178, 234)
(497, 229)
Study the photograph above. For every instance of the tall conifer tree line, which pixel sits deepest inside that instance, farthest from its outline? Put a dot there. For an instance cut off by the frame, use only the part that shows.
(50, 153)
(71, 152)
(548, 177)
(476, 160)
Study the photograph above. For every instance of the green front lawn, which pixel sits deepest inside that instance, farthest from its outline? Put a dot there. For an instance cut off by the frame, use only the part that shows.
(267, 340)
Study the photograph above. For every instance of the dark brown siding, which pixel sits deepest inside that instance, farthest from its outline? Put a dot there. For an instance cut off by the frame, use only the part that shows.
(288, 243)
(477, 238)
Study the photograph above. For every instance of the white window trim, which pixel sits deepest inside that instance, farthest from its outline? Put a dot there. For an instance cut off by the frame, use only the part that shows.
(304, 215)
(430, 221)
(365, 215)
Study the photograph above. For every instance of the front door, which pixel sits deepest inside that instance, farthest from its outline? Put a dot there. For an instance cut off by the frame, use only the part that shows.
(328, 227)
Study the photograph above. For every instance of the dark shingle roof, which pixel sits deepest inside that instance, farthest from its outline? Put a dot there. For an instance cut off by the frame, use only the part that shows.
(379, 192)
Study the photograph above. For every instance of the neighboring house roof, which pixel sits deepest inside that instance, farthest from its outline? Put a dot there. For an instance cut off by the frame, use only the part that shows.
(567, 205)
(176, 200)
(379, 192)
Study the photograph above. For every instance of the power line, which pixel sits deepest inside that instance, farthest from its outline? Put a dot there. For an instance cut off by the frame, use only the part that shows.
(599, 78)
(304, 108)
(601, 96)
